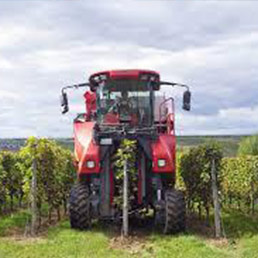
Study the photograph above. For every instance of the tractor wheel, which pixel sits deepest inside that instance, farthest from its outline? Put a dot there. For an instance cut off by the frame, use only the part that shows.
(174, 212)
(79, 207)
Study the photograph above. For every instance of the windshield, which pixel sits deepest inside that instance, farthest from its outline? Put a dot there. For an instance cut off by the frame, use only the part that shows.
(125, 101)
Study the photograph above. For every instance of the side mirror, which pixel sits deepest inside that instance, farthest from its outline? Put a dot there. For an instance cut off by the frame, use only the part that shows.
(93, 85)
(187, 100)
(64, 103)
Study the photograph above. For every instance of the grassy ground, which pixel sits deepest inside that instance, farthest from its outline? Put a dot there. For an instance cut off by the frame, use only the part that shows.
(61, 241)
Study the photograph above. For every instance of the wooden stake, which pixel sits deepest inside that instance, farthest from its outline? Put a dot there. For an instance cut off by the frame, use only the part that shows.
(216, 204)
(125, 202)
(33, 194)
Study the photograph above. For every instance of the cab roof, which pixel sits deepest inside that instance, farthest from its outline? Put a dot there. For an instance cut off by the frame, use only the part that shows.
(125, 74)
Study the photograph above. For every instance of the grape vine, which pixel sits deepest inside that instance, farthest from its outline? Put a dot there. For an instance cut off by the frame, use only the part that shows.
(54, 171)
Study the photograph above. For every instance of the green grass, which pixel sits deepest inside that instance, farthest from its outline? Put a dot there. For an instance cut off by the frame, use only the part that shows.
(248, 247)
(18, 220)
(185, 246)
(238, 225)
(64, 242)
(61, 241)
(15, 220)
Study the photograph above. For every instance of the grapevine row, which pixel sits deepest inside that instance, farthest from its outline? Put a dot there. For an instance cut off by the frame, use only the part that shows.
(237, 178)
(54, 172)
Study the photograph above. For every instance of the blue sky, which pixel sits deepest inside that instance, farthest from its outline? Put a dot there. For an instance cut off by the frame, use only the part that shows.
(210, 45)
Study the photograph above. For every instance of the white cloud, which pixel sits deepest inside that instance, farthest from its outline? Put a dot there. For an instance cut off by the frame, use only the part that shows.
(8, 94)
(226, 121)
(245, 115)
(5, 64)
(48, 45)
(11, 34)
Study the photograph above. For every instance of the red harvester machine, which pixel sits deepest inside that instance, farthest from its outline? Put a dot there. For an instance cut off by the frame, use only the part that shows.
(126, 104)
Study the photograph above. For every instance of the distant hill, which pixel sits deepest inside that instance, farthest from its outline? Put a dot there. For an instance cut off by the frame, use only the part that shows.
(16, 143)
(228, 142)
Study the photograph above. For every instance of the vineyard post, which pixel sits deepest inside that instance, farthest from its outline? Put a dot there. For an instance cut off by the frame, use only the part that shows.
(125, 200)
(252, 196)
(33, 195)
(215, 201)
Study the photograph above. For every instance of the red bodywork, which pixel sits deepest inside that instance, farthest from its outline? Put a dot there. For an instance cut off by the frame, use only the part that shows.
(164, 148)
(121, 74)
(87, 150)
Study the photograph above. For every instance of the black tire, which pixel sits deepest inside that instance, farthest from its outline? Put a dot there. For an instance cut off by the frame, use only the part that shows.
(79, 207)
(174, 212)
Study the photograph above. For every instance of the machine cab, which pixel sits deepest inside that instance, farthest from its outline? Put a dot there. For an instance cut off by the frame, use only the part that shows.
(125, 97)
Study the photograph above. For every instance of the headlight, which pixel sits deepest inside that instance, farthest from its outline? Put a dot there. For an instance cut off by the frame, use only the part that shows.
(90, 164)
(106, 141)
(161, 163)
